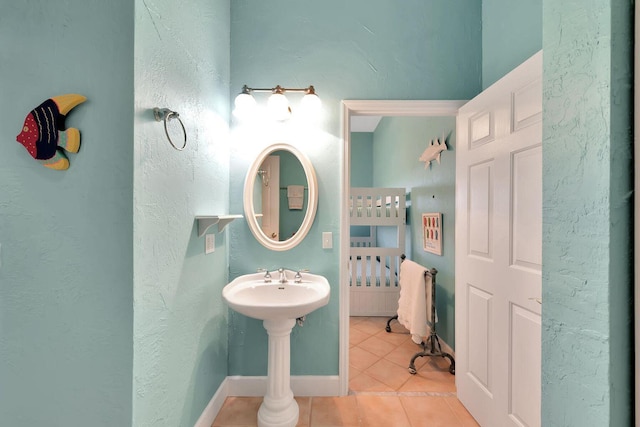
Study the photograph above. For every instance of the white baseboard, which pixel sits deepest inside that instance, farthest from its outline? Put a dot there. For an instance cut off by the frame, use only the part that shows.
(213, 407)
(301, 385)
(446, 348)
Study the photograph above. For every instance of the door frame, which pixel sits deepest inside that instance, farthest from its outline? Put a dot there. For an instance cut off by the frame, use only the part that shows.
(368, 108)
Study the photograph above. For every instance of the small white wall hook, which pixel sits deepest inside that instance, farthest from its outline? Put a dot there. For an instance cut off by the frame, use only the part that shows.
(166, 115)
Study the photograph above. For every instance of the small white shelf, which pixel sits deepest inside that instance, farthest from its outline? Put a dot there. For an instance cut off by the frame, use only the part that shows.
(204, 222)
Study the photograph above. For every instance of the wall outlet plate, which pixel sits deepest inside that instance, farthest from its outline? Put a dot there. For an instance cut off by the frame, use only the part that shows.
(209, 243)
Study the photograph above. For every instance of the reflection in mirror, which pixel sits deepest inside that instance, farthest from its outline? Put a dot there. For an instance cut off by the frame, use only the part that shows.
(280, 197)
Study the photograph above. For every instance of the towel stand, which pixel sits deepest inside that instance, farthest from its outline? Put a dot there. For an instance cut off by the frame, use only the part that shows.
(431, 346)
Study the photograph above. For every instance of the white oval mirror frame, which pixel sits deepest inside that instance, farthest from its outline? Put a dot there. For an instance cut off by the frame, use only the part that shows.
(312, 202)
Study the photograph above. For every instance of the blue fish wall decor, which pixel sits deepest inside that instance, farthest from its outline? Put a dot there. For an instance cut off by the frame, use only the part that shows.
(43, 133)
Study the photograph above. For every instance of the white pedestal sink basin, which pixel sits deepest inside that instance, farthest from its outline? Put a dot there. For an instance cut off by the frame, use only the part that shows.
(278, 304)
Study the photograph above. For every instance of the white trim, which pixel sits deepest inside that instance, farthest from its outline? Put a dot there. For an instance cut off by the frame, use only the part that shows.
(301, 385)
(312, 200)
(213, 407)
(446, 348)
(368, 108)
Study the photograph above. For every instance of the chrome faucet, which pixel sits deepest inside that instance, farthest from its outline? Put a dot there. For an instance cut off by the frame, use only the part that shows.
(267, 275)
(283, 275)
(298, 277)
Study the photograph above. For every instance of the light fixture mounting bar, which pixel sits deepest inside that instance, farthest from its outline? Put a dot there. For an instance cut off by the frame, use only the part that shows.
(278, 89)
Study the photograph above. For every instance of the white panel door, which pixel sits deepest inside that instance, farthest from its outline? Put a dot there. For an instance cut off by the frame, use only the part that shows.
(499, 250)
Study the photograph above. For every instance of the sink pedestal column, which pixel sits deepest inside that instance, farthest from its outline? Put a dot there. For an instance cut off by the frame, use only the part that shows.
(279, 408)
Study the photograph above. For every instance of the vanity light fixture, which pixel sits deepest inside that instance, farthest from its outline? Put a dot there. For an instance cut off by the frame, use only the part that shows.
(277, 104)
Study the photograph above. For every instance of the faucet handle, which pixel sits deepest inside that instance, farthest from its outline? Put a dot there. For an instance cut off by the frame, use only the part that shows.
(267, 275)
(298, 277)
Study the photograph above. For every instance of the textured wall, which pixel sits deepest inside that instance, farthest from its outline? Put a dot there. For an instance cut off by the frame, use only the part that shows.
(180, 324)
(66, 262)
(511, 33)
(398, 143)
(586, 335)
(348, 50)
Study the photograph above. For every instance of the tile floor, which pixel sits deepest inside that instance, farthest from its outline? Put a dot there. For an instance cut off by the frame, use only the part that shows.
(382, 393)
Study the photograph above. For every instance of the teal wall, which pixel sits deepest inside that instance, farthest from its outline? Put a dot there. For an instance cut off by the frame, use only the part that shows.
(587, 269)
(361, 159)
(180, 325)
(511, 33)
(66, 263)
(398, 143)
(291, 173)
(347, 50)
(73, 271)
(361, 170)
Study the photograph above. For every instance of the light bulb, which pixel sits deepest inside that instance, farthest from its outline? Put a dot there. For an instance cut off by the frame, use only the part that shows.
(311, 105)
(245, 106)
(278, 107)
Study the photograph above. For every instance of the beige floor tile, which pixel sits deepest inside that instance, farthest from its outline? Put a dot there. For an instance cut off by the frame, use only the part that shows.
(304, 405)
(334, 412)
(238, 411)
(377, 346)
(361, 359)
(466, 420)
(371, 325)
(430, 411)
(395, 338)
(366, 383)
(389, 373)
(356, 319)
(379, 411)
(356, 337)
(402, 355)
(430, 381)
(353, 372)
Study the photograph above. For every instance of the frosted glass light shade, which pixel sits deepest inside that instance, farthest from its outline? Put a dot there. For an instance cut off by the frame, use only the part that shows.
(278, 107)
(311, 105)
(245, 106)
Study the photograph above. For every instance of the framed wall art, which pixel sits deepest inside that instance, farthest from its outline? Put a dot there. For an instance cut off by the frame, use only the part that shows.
(432, 232)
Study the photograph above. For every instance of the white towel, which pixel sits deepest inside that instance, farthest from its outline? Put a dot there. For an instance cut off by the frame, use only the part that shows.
(413, 302)
(295, 194)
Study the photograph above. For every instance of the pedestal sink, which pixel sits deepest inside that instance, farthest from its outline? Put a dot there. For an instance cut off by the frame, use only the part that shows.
(278, 303)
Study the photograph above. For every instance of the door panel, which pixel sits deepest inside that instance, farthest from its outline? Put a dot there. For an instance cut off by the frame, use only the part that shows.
(480, 336)
(526, 236)
(480, 210)
(525, 352)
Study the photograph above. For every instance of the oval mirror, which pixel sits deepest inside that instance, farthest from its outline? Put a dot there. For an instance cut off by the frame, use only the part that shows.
(280, 197)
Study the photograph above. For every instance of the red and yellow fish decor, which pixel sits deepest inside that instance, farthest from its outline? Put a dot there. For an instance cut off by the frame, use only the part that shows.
(43, 133)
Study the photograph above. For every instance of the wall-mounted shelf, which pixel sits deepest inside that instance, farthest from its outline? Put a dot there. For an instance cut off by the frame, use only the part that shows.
(204, 222)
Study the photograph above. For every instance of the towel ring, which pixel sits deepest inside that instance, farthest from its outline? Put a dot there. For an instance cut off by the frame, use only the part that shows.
(166, 115)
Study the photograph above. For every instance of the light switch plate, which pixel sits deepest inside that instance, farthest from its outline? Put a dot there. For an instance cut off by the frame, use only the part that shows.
(327, 240)
(210, 243)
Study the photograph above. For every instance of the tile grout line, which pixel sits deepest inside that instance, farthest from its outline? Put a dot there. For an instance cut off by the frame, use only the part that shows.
(404, 393)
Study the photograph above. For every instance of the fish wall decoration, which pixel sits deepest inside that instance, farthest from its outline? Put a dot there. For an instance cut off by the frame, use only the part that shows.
(433, 151)
(44, 134)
